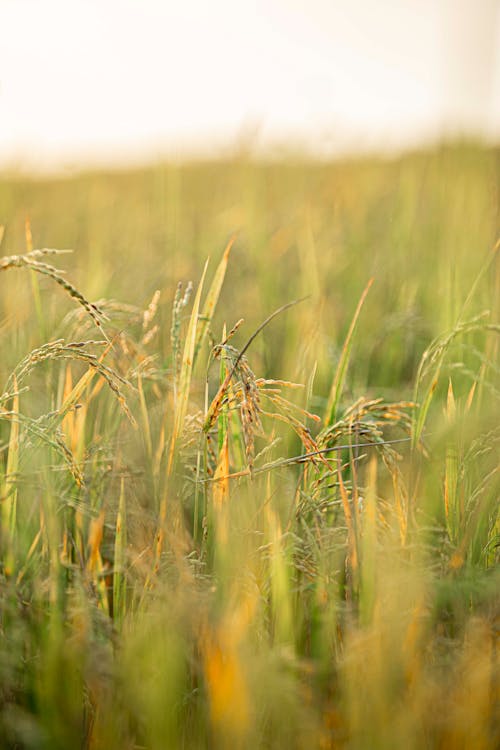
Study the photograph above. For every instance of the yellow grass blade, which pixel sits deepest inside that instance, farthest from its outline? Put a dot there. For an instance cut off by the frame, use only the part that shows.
(95, 567)
(220, 496)
(186, 373)
(225, 674)
(9, 490)
(470, 397)
(76, 392)
(96, 530)
(212, 299)
(82, 384)
(451, 405)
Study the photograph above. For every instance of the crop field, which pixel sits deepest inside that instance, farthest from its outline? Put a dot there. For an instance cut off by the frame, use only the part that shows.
(252, 502)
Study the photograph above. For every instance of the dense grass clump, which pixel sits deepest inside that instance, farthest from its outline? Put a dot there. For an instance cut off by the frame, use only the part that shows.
(256, 507)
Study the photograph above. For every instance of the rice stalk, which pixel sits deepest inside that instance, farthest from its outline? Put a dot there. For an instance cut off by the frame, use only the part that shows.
(120, 551)
(30, 261)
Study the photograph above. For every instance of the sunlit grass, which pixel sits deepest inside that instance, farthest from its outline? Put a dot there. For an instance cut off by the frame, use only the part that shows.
(280, 531)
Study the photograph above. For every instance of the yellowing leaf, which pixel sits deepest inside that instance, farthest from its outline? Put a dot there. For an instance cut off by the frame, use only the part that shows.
(186, 373)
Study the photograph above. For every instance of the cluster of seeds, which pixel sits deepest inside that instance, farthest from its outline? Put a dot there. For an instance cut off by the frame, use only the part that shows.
(241, 390)
(30, 260)
(249, 408)
(366, 420)
(74, 350)
(150, 330)
(180, 302)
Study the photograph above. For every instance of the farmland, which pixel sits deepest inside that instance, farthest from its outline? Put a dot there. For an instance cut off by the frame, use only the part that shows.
(251, 503)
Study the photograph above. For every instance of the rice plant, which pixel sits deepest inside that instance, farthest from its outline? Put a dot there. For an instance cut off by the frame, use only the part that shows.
(260, 509)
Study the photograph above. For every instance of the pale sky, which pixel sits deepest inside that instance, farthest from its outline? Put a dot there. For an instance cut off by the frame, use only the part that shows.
(105, 81)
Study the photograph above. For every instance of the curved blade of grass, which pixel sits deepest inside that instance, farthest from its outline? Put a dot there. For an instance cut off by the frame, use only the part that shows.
(212, 299)
(340, 374)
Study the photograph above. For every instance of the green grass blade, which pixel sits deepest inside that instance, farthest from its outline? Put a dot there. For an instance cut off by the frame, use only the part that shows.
(340, 374)
(119, 584)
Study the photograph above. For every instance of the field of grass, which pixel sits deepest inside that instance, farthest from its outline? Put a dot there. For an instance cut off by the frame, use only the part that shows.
(227, 528)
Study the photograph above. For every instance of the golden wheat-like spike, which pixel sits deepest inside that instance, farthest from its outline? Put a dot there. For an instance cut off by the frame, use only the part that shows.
(233, 330)
(29, 260)
(149, 335)
(152, 309)
(289, 408)
(265, 382)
